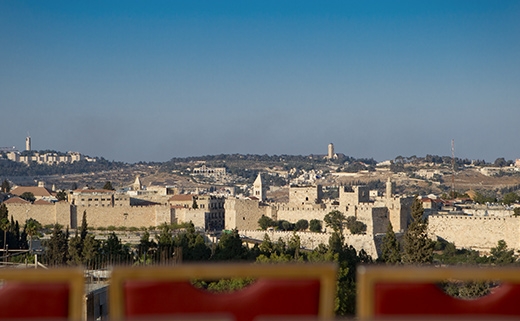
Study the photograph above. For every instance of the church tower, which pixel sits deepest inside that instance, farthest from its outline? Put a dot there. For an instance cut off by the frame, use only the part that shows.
(136, 186)
(259, 190)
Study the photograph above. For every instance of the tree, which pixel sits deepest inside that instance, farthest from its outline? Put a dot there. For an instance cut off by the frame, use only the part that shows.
(355, 226)
(302, 225)
(500, 255)
(194, 205)
(4, 222)
(108, 186)
(500, 162)
(315, 226)
(57, 246)
(336, 221)
(61, 195)
(192, 244)
(32, 228)
(90, 248)
(28, 196)
(6, 187)
(510, 198)
(418, 248)
(390, 252)
(230, 248)
(264, 222)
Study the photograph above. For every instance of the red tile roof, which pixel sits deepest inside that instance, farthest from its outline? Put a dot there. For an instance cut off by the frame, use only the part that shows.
(37, 191)
(182, 197)
(16, 200)
(42, 202)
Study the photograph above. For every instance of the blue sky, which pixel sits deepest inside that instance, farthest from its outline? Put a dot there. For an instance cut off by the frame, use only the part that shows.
(151, 80)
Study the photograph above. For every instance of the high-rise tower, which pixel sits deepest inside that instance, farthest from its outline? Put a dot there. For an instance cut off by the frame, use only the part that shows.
(330, 153)
(28, 142)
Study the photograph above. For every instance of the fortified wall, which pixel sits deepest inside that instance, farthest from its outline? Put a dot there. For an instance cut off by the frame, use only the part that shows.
(309, 240)
(46, 214)
(71, 215)
(243, 214)
(479, 233)
(306, 203)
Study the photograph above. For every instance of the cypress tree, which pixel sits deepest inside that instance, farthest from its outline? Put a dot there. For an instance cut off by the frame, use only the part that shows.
(391, 254)
(418, 248)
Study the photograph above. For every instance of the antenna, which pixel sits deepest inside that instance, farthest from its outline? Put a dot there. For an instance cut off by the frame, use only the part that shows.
(453, 168)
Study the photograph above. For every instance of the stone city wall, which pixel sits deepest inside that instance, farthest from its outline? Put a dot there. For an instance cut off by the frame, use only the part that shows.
(129, 216)
(296, 214)
(196, 216)
(70, 216)
(47, 214)
(476, 232)
(311, 240)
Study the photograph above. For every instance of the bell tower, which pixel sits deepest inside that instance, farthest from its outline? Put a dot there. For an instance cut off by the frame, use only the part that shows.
(259, 190)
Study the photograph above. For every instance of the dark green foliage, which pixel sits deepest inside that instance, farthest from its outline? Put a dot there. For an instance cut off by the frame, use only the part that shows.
(315, 226)
(516, 211)
(355, 226)
(61, 195)
(112, 250)
(6, 187)
(264, 222)
(195, 205)
(91, 248)
(230, 248)
(28, 196)
(483, 199)
(500, 255)
(193, 245)
(510, 198)
(467, 290)
(418, 248)
(57, 248)
(301, 225)
(390, 251)
(108, 186)
(285, 225)
(336, 221)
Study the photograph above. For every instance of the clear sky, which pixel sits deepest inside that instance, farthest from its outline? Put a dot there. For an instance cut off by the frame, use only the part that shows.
(151, 80)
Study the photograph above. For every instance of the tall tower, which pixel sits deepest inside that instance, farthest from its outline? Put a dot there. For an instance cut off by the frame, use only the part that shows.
(28, 142)
(389, 188)
(259, 190)
(137, 186)
(330, 153)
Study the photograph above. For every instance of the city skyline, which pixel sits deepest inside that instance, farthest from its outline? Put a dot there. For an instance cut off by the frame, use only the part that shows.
(139, 81)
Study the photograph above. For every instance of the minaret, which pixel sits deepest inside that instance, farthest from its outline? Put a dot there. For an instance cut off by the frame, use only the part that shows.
(330, 154)
(259, 189)
(28, 142)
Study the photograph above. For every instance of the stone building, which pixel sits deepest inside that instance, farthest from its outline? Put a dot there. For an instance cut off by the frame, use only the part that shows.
(204, 211)
(305, 202)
